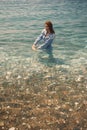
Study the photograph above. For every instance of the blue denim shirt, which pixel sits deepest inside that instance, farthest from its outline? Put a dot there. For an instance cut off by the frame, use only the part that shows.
(47, 40)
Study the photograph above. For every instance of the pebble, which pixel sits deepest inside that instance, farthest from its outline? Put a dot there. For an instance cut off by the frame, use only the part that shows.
(12, 128)
(8, 106)
(47, 77)
(1, 123)
(19, 77)
(28, 126)
(23, 123)
(52, 84)
(76, 103)
(57, 108)
(70, 109)
(9, 73)
(80, 78)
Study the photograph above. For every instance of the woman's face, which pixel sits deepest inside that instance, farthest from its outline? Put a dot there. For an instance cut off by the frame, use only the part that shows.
(46, 27)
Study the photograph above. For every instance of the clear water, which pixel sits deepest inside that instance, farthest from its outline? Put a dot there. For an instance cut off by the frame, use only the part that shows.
(21, 21)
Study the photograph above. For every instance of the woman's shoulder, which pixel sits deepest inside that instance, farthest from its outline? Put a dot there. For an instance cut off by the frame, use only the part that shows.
(52, 35)
(44, 31)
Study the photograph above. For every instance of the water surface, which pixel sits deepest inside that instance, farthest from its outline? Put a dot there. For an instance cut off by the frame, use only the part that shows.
(22, 21)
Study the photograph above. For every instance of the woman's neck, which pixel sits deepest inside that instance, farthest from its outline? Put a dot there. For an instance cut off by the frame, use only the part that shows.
(47, 31)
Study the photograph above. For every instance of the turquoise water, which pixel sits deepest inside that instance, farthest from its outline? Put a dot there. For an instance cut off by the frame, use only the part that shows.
(21, 21)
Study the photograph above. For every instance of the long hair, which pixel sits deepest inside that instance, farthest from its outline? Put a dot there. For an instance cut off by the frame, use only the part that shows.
(50, 25)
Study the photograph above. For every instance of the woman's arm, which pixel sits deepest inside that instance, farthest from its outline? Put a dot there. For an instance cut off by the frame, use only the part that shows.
(47, 43)
(39, 38)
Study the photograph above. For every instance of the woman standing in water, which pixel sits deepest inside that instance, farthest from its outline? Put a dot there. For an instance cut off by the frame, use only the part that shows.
(47, 36)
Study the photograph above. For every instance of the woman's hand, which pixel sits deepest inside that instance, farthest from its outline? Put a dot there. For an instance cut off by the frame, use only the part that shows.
(34, 47)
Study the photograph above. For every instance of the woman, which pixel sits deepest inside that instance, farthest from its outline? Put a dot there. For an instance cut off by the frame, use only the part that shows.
(47, 36)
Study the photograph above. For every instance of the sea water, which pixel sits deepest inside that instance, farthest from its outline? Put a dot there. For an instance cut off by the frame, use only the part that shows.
(21, 21)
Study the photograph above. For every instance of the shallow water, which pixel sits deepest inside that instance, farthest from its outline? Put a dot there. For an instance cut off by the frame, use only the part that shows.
(22, 21)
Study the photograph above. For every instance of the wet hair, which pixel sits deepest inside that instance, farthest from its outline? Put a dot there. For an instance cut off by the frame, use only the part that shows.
(50, 25)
